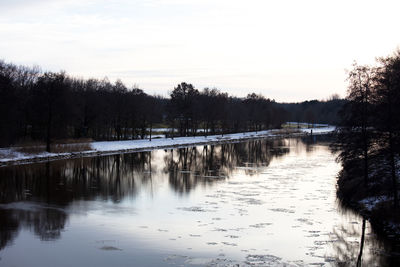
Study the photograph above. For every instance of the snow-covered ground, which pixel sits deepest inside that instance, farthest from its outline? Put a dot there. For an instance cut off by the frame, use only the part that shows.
(293, 123)
(319, 130)
(371, 203)
(168, 130)
(11, 155)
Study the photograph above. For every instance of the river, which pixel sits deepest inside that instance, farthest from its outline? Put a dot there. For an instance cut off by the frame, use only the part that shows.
(255, 203)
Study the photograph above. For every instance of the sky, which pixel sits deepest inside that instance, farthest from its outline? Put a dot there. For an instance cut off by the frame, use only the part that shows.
(286, 50)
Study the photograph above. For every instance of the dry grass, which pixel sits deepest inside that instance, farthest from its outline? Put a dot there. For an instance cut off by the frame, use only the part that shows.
(295, 125)
(30, 147)
(59, 146)
(73, 141)
(65, 148)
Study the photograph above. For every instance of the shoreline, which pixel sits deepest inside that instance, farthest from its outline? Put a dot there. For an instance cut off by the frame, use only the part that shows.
(375, 209)
(105, 148)
(382, 225)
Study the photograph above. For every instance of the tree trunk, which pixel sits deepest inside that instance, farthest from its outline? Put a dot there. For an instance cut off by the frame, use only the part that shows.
(393, 172)
(151, 127)
(49, 123)
(365, 150)
(359, 258)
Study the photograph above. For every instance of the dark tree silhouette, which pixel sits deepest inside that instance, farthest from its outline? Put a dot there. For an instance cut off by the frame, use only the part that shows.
(49, 96)
(387, 114)
(369, 139)
(54, 107)
(182, 107)
(355, 135)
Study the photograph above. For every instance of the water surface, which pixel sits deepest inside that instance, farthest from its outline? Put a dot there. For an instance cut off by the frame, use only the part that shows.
(257, 203)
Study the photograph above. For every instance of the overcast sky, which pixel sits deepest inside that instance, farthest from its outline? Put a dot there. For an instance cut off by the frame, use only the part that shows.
(286, 50)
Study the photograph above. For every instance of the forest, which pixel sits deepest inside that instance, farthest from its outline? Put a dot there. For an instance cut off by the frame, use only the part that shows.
(369, 137)
(47, 107)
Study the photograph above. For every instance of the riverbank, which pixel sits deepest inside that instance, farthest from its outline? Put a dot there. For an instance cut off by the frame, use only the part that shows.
(373, 201)
(13, 156)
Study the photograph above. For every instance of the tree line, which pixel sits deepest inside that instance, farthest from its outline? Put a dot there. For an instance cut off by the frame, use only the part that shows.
(316, 111)
(52, 106)
(369, 139)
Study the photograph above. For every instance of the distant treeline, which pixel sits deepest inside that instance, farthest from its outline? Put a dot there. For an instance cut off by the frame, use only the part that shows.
(315, 111)
(44, 107)
(369, 139)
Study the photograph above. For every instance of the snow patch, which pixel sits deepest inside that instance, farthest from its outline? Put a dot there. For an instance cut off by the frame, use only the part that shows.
(371, 202)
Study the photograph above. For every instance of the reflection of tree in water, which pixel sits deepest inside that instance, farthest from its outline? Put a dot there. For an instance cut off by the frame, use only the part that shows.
(55, 185)
(310, 140)
(46, 222)
(60, 182)
(109, 178)
(354, 246)
(188, 167)
(346, 244)
(52, 186)
(8, 227)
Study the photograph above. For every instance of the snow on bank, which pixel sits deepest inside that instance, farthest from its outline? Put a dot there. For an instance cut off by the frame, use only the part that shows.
(177, 141)
(10, 155)
(320, 130)
(374, 209)
(293, 123)
(371, 203)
